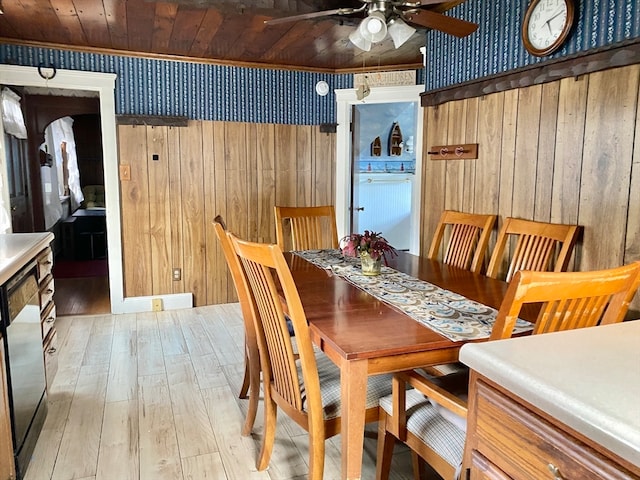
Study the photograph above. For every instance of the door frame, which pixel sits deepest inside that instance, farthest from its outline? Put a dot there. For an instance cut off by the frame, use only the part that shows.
(104, 85)
(345, 99)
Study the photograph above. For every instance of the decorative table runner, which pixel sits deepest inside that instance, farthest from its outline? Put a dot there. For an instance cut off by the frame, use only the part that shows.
(452, 315)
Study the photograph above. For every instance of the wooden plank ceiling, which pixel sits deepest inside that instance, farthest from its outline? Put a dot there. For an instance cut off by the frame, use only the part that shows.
(227, 31)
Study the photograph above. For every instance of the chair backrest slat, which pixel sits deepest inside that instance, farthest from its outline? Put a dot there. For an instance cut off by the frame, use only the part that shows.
(469, 235)
(271, 287)
(568, 299)
(237, 277)
(536, 246)
(309, 227)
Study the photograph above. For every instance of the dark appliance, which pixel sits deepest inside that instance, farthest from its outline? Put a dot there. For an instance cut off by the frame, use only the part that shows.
(25, 363)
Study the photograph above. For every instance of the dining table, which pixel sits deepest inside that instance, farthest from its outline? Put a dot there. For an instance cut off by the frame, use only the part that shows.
(364, 335)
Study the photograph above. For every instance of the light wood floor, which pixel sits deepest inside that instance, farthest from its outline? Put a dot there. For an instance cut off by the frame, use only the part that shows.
(153, 396)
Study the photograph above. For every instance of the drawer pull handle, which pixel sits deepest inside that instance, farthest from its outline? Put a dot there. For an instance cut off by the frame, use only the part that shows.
(555, 471)
(48, 262)
(49, 290)
(52, 350)
(51, 319)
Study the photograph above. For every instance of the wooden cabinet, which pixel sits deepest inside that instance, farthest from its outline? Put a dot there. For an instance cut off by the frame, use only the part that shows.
(7, 465)
(47, 313)
(509, 439)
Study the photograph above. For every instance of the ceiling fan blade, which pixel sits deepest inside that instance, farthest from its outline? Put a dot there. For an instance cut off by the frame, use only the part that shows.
(305, 16)
(437, 21)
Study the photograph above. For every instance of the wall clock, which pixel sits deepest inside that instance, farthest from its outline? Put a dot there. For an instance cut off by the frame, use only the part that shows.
(546, 25)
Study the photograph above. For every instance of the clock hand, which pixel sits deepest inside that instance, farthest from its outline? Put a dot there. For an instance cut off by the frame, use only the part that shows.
(557, 12)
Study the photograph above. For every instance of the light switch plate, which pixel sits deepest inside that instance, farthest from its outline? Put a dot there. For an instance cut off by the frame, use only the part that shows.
(125, 173)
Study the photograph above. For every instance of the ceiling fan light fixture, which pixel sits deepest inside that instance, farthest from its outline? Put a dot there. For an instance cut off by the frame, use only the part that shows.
(374, 27)
(399, 31)
(359, 41)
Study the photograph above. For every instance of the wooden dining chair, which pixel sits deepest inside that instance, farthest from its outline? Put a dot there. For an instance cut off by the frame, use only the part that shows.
(468, 234)
(251, 380)
(310, 228)
(540, 246)
(434, 427)
(307, 390)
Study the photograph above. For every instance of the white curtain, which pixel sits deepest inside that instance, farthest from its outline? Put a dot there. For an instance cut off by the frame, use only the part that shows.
(13, 124)
(60, 141)
(12, 118)
(50, 193)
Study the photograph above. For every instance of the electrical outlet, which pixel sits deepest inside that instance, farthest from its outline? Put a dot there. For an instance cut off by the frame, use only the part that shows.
(177, 274)
(156, 304)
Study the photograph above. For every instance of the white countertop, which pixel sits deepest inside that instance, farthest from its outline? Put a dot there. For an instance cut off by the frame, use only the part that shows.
(16, 249)
(588, 379)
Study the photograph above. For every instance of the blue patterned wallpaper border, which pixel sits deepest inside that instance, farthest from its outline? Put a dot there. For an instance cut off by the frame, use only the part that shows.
(199, 91)
(497, 47)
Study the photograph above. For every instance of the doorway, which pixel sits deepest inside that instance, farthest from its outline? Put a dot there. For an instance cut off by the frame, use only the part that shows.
(104, 85)
(383, 166)
(348, 107)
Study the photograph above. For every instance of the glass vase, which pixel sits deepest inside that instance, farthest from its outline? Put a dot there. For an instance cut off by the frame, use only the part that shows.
(370, 266)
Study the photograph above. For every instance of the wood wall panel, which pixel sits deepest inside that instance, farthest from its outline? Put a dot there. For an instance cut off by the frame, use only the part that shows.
(632, 247)
(236, 170)
(193, 230)
(454, 177)
(433, 172)
(572, 106)
(159, 210)
(608, 155)
(286, 162)
(471, 132)
(136, 240)
(265, 175)
(304, 167)
(568, 151)
(324, 168)
(216, 255)
(526, 153)
(546, 151)
(222, 283)
(175, 200)
(489, 139)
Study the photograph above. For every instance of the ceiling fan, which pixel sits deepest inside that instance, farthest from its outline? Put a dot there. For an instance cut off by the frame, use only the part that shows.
(392, 17)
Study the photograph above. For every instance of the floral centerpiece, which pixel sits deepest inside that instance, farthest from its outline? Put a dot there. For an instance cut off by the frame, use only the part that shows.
(372, 247)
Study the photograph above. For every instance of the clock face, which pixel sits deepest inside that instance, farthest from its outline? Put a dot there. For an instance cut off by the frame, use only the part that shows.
(546, 25)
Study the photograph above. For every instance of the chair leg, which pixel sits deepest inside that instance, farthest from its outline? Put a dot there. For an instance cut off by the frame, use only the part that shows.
(416, 462)
(254, 395)
(270, 419)
(386, 442)
(246, 381)
(316, 456)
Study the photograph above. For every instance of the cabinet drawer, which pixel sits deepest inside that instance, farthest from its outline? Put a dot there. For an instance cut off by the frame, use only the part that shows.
(51, 357)
(483, 469)
(47, 289)
(45, 263)
(48, 319)
(526, 446)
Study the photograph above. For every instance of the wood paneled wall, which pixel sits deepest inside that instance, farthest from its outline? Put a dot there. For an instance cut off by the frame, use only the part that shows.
(237, 170)
(565, 152)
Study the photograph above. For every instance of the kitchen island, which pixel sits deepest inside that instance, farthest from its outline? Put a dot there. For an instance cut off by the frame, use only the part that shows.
(28, 345)
(558, 405)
